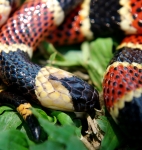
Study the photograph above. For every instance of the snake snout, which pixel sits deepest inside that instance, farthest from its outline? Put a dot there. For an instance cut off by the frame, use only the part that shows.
(84, 96)
(87, 100)
(59, 89)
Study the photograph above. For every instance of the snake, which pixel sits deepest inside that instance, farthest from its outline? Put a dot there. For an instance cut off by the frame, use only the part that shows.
(62, 22)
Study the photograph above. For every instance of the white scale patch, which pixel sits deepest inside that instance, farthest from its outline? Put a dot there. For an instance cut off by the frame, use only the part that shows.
(5, 10)
(131, 45)
(51, 93)
(126, 17)
(86, 25)
(13, 48)
(128, 97)
(58, 13)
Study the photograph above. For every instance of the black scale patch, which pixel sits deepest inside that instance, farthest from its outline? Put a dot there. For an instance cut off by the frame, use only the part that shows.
(104, 17)
(130, 118)
(69, 5)
(18, 72)
(9, 98)
(84, 96)
(15, 100)
(127, 54)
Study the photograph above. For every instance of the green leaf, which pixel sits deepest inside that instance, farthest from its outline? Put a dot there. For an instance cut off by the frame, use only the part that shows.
(45, 116)
(95, 76)
(13, 140)
(113, 137)
(71, 58)
(65, 55)
(48, 145)
(85, 47)
(94, 57)
(63, 118)
(52, 58)
(62, 135)
(75, 145)
(51, 49)
(103, 123)
(100, 55)
(102, 48)
(4, 108)
(9, 120)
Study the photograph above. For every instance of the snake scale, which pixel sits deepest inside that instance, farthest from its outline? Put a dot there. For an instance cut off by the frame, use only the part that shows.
(38, 20)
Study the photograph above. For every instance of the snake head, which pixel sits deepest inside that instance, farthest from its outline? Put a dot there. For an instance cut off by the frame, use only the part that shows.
(59, 89)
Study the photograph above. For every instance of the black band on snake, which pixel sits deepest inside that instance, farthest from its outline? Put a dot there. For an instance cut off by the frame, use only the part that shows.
(58, 89)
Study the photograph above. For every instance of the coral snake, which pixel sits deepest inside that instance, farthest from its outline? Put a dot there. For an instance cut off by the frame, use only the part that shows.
(37, 20)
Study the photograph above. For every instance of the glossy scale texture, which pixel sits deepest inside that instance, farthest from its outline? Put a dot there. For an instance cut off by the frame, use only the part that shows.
(122, 84)
(20, 35)
(23, 107)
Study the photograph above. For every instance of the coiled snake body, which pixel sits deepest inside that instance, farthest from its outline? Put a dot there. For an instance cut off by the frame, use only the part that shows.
(57, 89)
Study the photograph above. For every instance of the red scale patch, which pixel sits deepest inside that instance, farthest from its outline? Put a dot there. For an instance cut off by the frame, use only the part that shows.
(120, 80)
(135, 39)
(28, 24)
(136, 10)
(69, 32)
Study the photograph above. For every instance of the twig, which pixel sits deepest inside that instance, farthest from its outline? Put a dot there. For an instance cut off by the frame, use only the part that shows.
(87, 143)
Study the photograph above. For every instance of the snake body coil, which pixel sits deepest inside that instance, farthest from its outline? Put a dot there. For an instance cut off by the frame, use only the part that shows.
(58, 89)
(51, 87)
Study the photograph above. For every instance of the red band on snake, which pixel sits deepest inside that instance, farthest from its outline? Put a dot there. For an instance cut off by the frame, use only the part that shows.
(58, 89)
